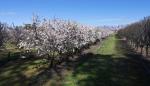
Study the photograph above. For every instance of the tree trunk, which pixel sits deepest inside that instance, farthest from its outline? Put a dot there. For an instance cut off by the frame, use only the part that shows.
(141, 50)
(8, 54)
(137, 46)
(51, 62)
(146, 50)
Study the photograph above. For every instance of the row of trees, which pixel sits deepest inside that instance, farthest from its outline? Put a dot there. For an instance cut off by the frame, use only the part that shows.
(54, 39)
(138, 34)
(9, 34)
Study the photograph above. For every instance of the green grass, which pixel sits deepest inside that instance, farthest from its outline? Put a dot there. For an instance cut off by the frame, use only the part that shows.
(15, 71)
(86, 72)
(9, 49)
(111, 66)
(108, 46)
(107, 65)
(20, 73)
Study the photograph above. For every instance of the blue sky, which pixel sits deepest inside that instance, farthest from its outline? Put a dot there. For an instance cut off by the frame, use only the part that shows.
(93, 12)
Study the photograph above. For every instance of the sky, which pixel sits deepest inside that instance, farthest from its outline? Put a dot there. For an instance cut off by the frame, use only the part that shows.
(92, 12)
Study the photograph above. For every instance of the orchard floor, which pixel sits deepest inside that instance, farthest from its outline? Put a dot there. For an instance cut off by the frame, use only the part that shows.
(111, 63)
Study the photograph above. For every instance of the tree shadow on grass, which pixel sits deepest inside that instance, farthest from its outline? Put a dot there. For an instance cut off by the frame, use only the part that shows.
(89, 70)
(13, 73)
(109, 70)
(103, 70)
(6, 57)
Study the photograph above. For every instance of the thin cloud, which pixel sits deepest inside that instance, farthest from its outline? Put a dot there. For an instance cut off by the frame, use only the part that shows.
(113, 21)
(110, 20)
(7, 13)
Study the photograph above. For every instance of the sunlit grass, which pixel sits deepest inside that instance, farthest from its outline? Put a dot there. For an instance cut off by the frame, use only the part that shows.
(99, 69)
(108, 46)
(12, 73)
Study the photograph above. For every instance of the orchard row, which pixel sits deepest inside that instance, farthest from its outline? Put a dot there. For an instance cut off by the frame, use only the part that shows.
(53, 38)
(138, 34)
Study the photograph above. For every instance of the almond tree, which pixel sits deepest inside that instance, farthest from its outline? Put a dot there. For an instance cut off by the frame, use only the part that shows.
(56, 38)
